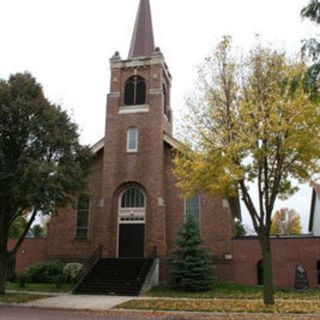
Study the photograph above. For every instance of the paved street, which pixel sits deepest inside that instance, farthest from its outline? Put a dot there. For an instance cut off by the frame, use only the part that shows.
(13, 313)
(10, 313)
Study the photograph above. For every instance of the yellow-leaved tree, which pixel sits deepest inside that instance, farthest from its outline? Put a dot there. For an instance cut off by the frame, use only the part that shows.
(250, 122)
(286, 222)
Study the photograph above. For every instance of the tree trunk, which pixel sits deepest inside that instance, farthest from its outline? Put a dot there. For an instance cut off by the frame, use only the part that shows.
(268, 294)
(11, 273)
(3, 259)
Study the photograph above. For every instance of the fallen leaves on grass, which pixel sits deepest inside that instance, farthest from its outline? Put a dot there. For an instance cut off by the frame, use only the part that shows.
(229, 290)
(225, 305)
(19, 297)
(39, 287)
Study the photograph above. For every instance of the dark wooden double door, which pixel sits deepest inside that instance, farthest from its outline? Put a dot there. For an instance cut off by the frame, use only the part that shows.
(131, 240)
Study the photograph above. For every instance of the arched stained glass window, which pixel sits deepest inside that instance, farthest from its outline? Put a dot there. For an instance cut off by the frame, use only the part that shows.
(192, 208)
(133, 198)
(135, 91)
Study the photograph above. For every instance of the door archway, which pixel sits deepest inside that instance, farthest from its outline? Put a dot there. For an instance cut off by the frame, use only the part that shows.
(131, 223)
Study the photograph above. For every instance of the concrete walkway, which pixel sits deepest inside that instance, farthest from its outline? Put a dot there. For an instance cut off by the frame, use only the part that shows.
(78, 302)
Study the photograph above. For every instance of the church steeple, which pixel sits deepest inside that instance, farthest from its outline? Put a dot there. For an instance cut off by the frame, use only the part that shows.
(142, 43)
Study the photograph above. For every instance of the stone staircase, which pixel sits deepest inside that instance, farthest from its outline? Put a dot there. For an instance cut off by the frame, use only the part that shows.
(124, 277)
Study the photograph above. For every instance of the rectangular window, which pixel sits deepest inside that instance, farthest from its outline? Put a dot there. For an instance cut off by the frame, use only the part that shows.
(132, 142)
(82, 218)
(192, 207)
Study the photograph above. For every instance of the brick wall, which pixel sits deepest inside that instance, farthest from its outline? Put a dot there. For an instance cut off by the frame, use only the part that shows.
(62, 243)
(286, 254)
(216, 223)
(30, 252)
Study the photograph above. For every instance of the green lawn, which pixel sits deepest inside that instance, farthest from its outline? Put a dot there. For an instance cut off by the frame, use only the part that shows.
(225, 306)
(20, 297)
(39, 287)
(234, 291)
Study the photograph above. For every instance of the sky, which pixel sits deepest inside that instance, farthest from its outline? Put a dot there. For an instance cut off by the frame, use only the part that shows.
(66, 45)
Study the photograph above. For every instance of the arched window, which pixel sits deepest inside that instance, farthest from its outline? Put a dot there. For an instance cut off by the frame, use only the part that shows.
(132, 140)
(132, 198)
(135, 91)
(260, 273)
(318, 272)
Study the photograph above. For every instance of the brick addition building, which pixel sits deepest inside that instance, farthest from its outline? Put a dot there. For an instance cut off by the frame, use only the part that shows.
(132, 209)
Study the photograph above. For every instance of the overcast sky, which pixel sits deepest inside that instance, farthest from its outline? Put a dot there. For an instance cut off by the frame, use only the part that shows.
(66, 45)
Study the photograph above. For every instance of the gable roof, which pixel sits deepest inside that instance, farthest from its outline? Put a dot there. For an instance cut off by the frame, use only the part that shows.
(97, 146)
(170, 140)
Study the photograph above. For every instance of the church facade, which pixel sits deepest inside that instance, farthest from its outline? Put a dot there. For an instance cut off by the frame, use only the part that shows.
(132, 207)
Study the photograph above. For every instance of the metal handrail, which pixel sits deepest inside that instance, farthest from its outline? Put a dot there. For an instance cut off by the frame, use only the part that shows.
(152, 256)
(154, 253)
(87, 267)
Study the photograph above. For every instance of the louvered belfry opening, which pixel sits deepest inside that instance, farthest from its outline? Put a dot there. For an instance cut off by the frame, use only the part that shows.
(135, 91)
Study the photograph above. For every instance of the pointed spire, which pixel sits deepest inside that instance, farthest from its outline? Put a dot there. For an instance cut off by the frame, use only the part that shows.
(142, 43)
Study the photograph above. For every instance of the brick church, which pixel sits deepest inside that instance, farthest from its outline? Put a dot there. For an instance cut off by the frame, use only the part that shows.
(132, 207)
(131, 210)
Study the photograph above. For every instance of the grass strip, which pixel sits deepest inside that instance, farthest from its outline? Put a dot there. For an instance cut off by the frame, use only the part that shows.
(39, 287)
(19, 297)
(224, 305)
(234, 291)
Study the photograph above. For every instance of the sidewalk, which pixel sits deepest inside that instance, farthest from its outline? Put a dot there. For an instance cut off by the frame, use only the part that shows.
(78, 302)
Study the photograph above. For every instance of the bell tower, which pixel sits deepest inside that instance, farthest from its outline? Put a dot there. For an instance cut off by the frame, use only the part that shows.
(138, 116)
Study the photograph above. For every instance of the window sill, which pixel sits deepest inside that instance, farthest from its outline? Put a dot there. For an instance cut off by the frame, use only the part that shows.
(134, 109)
(81, 240)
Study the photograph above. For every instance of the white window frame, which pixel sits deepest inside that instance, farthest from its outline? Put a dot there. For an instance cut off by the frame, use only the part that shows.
(129, 150)
(185, 211)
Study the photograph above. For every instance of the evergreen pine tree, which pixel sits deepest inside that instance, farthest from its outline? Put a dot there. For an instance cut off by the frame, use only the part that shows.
(190, 268)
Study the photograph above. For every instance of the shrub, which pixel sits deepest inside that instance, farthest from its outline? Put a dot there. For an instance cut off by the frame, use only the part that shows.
(59, 280)
(44, 272)
(71, 270)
